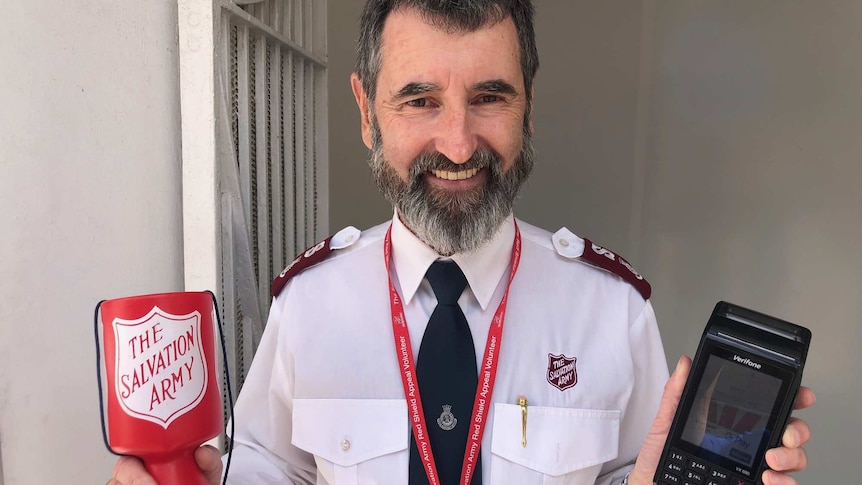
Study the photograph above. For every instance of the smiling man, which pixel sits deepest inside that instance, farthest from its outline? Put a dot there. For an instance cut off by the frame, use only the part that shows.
(455, 110)
(456, 344)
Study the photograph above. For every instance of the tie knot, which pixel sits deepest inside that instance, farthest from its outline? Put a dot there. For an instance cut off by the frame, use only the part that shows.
(447, 280)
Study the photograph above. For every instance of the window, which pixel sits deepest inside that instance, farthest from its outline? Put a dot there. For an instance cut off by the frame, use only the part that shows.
(255, 159)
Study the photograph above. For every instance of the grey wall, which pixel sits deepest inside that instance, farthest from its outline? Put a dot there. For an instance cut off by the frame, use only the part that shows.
(354, 199)
(585, 119)
(715, 144)
(752, 187)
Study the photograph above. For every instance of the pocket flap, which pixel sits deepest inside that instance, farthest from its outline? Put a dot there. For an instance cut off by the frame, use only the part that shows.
(349, 431)
(559, 440)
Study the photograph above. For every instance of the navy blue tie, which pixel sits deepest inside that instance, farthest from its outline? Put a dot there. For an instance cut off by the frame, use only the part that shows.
(447, 377)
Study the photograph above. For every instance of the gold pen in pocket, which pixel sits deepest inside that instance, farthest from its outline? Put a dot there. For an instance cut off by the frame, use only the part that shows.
(522, 401)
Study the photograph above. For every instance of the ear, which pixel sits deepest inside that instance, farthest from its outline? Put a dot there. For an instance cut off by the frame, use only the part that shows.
(364, 113)
(532, 107)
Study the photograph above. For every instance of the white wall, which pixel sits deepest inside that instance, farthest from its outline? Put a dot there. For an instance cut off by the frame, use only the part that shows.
(89, 209)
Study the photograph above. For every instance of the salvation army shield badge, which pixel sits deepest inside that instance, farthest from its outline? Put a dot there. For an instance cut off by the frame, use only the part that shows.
(562, 372)
(160, 368)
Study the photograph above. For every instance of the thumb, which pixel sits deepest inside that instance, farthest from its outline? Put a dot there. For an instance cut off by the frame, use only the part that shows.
(670, 398)
(650, 453)
(209, 460)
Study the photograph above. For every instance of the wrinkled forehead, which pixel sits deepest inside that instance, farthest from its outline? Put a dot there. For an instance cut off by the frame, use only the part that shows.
(453, 21)
(405, 22)
(412, 43)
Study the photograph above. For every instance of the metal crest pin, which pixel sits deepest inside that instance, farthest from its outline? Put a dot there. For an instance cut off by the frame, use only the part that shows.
(447, 420)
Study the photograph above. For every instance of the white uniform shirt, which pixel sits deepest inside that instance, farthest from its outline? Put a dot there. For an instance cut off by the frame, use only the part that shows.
(324, 403)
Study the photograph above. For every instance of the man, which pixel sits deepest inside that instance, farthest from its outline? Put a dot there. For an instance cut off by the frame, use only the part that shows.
(564, 374)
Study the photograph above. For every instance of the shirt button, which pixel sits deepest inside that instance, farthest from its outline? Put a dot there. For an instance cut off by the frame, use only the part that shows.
(345, 445)
(564, 243)
(349, 238)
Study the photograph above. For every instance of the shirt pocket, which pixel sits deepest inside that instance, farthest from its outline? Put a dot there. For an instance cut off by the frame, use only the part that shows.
(564, 445)
(354, 440)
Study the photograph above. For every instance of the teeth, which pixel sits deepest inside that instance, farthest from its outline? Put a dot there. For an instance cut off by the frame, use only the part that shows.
(459, 175)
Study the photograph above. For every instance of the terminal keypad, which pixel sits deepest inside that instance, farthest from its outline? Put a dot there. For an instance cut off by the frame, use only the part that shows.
(680, 468)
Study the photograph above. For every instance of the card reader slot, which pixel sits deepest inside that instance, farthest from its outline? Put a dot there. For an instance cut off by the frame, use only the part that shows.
(760, 326)
(789, 359)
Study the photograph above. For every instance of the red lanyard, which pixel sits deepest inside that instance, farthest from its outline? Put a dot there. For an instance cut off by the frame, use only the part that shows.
(487, 373)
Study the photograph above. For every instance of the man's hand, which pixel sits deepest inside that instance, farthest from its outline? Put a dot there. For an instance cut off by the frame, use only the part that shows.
(130, 470)
(790, 457)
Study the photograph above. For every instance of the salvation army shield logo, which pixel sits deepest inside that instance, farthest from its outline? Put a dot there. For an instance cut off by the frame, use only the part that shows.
(562, 372)
(160, 368)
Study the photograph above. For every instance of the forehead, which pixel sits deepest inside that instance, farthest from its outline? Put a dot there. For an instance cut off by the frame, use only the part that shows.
(414, 50)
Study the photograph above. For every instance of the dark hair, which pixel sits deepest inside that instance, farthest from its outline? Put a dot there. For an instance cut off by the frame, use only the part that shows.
(450, 16)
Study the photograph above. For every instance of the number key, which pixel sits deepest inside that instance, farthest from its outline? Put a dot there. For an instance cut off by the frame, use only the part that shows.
(719, 475)
(668, 477)
(698, 466)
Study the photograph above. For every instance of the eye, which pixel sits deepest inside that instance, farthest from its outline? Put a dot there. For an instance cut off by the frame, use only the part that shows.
(417, 103)
(488, 98)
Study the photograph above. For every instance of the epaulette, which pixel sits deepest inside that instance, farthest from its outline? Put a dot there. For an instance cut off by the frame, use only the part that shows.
(571, 246)
(315, 254)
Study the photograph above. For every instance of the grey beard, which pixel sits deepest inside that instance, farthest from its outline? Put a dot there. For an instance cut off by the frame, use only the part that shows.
(452, 222)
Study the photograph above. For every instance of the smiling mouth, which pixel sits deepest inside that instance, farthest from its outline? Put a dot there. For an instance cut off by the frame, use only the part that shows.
(459, 175)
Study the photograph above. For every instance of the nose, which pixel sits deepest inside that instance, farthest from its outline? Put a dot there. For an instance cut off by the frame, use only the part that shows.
(456, 138)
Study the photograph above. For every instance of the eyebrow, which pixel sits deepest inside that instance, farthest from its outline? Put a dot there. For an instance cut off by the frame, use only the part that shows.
(413, 89)
(498, 86)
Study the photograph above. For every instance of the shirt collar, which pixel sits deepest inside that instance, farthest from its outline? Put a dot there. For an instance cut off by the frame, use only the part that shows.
(483, 268)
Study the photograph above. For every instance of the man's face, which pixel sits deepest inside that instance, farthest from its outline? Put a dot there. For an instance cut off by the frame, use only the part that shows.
(449, 139)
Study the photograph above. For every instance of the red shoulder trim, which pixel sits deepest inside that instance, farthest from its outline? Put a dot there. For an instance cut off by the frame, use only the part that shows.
(309, 257)
(608, 260)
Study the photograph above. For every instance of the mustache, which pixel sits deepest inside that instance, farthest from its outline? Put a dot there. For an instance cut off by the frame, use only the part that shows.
(427, 161)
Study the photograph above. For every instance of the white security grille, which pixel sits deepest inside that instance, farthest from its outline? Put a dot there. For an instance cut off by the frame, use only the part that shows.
(268, 131)
(277, 71)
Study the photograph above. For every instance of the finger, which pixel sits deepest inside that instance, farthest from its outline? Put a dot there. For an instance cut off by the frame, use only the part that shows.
(771, 477)
(787, 459)
(129, 470)
(650, 454)
(804, 398)
(209, 460)
(671, 396)
(796, 434)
